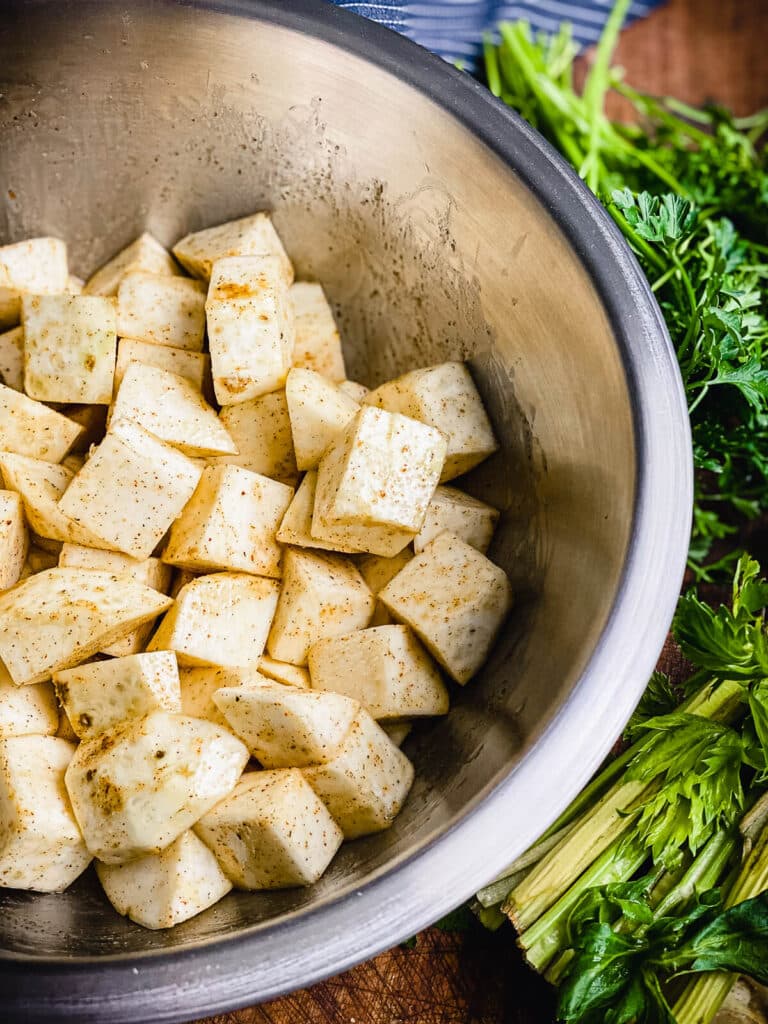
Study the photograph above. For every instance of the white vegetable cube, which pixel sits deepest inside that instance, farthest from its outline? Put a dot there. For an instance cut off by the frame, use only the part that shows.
(144, 253)
(296, 525)
(453, 510)
(60, 617)
(41, 847)
(230, 522)
(131, 489)
(75, 285)
(222, 619)
(193, 366)
(380, 476)
(151, 572)
(104, 693)
(365, 785)
(283, 672)
(249, 236)
(170, 407)
(318, 345)
(30, 428)
(250, 328)
(385, 668)
(455, 600)
(354, 390)
(321, 596)
(41, 485)
(14, 541)
(198, 686)
(36, 265)
(70, 346)
(12, 358)
(319, 413)
(26, 710)
(444, 396)
(285, 727)
(261, 430)
(162, 310)
(271, 832)
(137, 787)
(166, 888)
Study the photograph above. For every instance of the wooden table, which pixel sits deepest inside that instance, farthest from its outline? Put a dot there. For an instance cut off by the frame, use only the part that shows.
(697, 50)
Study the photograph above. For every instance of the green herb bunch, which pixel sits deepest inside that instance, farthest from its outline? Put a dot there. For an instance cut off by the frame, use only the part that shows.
(650, 892)
(689, 190)
(659, 869)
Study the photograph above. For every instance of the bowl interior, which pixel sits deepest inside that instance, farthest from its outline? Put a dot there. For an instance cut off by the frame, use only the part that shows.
(431, 248)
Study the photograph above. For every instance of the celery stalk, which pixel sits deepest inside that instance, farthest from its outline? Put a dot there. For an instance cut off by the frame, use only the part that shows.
(704, 996)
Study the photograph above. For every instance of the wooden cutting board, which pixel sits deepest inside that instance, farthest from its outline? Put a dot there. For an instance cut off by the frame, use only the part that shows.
(697, 50)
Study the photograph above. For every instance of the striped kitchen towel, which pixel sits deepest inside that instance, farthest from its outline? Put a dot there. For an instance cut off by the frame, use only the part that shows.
(454, 28)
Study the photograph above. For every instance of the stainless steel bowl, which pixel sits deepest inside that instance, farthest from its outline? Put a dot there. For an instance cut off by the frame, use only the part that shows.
(443, 227)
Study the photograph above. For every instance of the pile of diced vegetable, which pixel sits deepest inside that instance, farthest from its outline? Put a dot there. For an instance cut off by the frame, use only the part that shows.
(231, 578)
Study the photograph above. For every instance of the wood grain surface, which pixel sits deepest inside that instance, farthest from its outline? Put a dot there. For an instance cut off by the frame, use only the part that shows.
(697, 50)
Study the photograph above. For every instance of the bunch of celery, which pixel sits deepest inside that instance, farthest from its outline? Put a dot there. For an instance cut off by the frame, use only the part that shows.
(638, 881)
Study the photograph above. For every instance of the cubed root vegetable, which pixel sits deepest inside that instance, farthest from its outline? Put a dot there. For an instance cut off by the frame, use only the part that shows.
(454, 599)
(162, 889)
(450, 509)
(283, 672)
(261, 431)
(318, 345)
(319, 414)
(230, 522)
(60, 617)
(445, 397)
(249, 236)
(285, 727)
(70, 345)
(136, 787)
(365, 785)
(145, 253)
(41, 847)
(296, 525)
(162, 310)
(193, 366)
(376, 481)
(221, 620)
(172, 409)
(385, 668)
(104, 693)
(134, 517)
(321, 596)
(27, 710)
(31, 429)
(250, 327)
(14, 539)
(271, 832)
(36, 265)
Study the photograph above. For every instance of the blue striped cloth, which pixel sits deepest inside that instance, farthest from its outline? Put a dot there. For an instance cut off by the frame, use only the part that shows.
(454, 28)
